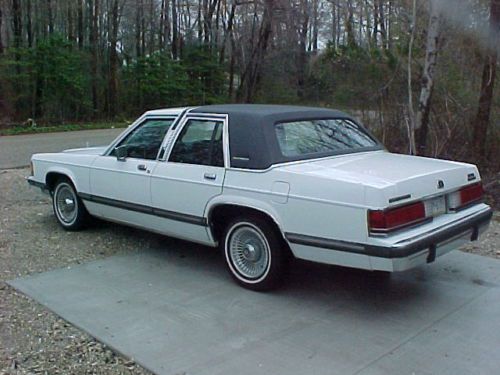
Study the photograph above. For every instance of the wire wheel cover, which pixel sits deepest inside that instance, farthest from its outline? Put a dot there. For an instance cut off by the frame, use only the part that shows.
(66, 204)
(249, 251)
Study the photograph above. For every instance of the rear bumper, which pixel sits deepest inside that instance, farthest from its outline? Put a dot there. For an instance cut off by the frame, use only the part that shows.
(398, 256)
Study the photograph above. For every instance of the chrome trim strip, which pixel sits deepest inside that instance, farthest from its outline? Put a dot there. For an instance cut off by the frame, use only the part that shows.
(401, 198)
(201, 116)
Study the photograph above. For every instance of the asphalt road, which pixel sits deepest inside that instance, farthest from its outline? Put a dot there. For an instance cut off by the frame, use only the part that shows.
(16, 151)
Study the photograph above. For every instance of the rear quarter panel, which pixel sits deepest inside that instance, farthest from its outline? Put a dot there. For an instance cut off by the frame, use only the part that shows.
(312, 206)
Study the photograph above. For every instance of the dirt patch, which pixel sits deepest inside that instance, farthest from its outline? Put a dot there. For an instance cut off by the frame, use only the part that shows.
(34, 340)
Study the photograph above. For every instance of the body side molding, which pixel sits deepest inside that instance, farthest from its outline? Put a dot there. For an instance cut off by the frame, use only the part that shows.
(177, 216)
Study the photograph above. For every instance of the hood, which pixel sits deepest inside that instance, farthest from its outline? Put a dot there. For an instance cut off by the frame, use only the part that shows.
(87, 150)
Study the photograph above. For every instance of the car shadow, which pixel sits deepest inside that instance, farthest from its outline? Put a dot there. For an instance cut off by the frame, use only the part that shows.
(319, 284)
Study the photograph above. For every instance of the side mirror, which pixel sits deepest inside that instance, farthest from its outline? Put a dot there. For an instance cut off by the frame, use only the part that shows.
(121, 152)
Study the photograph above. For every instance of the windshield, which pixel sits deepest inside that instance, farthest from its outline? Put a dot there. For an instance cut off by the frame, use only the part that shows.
(325, 136)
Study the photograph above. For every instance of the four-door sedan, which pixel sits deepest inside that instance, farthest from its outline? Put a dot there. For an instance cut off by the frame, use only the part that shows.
(266, 183)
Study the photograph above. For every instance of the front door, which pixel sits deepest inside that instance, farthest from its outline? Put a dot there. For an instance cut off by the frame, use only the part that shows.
(121, 187)
(182, 186)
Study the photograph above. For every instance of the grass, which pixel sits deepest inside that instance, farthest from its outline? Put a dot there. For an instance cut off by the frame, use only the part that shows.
(17, 130)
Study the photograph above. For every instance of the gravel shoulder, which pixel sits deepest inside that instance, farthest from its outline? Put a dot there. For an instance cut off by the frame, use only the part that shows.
(32, 339)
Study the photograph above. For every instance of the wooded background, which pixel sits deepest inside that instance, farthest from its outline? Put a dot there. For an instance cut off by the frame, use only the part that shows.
(420, 74)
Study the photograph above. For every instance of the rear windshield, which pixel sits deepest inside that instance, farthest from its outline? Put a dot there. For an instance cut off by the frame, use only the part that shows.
(325, 136)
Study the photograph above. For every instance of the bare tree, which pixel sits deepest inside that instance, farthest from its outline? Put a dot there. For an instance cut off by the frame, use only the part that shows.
(301, 53)
(113, 59)
(411, 110)
(488, 81)
(252, 73)
(1, 37)
(29, 24)
(349, 24)
(50, 15)
(17, 23)
(95, 54)
(80, 24)
(175, 30)
(427, 84)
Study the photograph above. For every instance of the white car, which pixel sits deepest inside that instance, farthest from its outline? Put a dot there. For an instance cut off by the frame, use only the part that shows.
(267, 183)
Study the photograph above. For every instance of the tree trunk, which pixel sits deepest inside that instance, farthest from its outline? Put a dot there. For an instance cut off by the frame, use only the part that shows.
(175, 41)
(94, 52)
(208, 13)
(138, 11)
(166, 27)
(411, 111)
(232, 62)
(143, 28)
(488, 82)
(315, 26)
(152, 25)
(71, 34)
(161, 31)
(301, 53)
(381, 23)
(80, 24)
(228, 33)
(50, 16)
(113, 60)
(1, 39)
(334, 24)
(29, 24)
(252, 72)
(17, 23)
(349, 22)
(424, 102)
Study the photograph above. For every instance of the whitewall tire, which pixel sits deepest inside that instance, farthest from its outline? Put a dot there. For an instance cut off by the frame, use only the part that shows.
(254, 253)
(68, 207)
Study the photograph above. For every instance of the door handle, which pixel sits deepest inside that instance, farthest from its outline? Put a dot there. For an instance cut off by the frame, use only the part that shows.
(142, 167)
(210, 176)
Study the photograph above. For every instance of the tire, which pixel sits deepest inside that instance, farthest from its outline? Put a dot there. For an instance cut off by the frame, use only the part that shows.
(255, 253)
(68, 207)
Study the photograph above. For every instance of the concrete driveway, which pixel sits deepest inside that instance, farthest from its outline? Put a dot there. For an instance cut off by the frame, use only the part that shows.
(16, 150)
(176, 311)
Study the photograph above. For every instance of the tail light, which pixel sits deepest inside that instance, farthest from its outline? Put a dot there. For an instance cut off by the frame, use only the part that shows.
(384, 221)
(465, 197)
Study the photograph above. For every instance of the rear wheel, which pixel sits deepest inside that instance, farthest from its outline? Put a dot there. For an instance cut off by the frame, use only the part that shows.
(254, 253)
(68, 207)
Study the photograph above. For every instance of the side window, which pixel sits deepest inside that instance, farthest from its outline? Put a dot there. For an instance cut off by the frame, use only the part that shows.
(200, 142)
(145, 141)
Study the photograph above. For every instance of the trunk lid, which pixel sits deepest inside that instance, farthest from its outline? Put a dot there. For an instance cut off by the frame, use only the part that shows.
(391, 179)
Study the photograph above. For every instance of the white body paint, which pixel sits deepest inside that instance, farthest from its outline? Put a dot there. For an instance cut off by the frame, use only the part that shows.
(324, 198)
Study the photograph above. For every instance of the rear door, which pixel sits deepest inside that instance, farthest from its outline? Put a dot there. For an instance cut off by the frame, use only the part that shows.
(191, 175)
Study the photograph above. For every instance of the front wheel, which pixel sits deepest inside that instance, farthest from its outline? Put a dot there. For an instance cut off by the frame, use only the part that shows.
(68, 207)
(255, 253)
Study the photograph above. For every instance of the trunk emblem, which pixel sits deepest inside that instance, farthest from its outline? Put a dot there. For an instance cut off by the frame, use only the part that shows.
(440, 184)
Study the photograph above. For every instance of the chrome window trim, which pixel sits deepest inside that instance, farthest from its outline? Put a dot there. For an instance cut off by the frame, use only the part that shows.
(141, 120)
(294, 162)
(224, 118)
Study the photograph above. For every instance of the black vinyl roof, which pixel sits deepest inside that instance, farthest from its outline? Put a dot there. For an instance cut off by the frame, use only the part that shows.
(264, 110)
(252, 138)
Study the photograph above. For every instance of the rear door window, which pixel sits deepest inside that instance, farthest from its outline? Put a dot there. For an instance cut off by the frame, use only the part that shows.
(200, 142)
